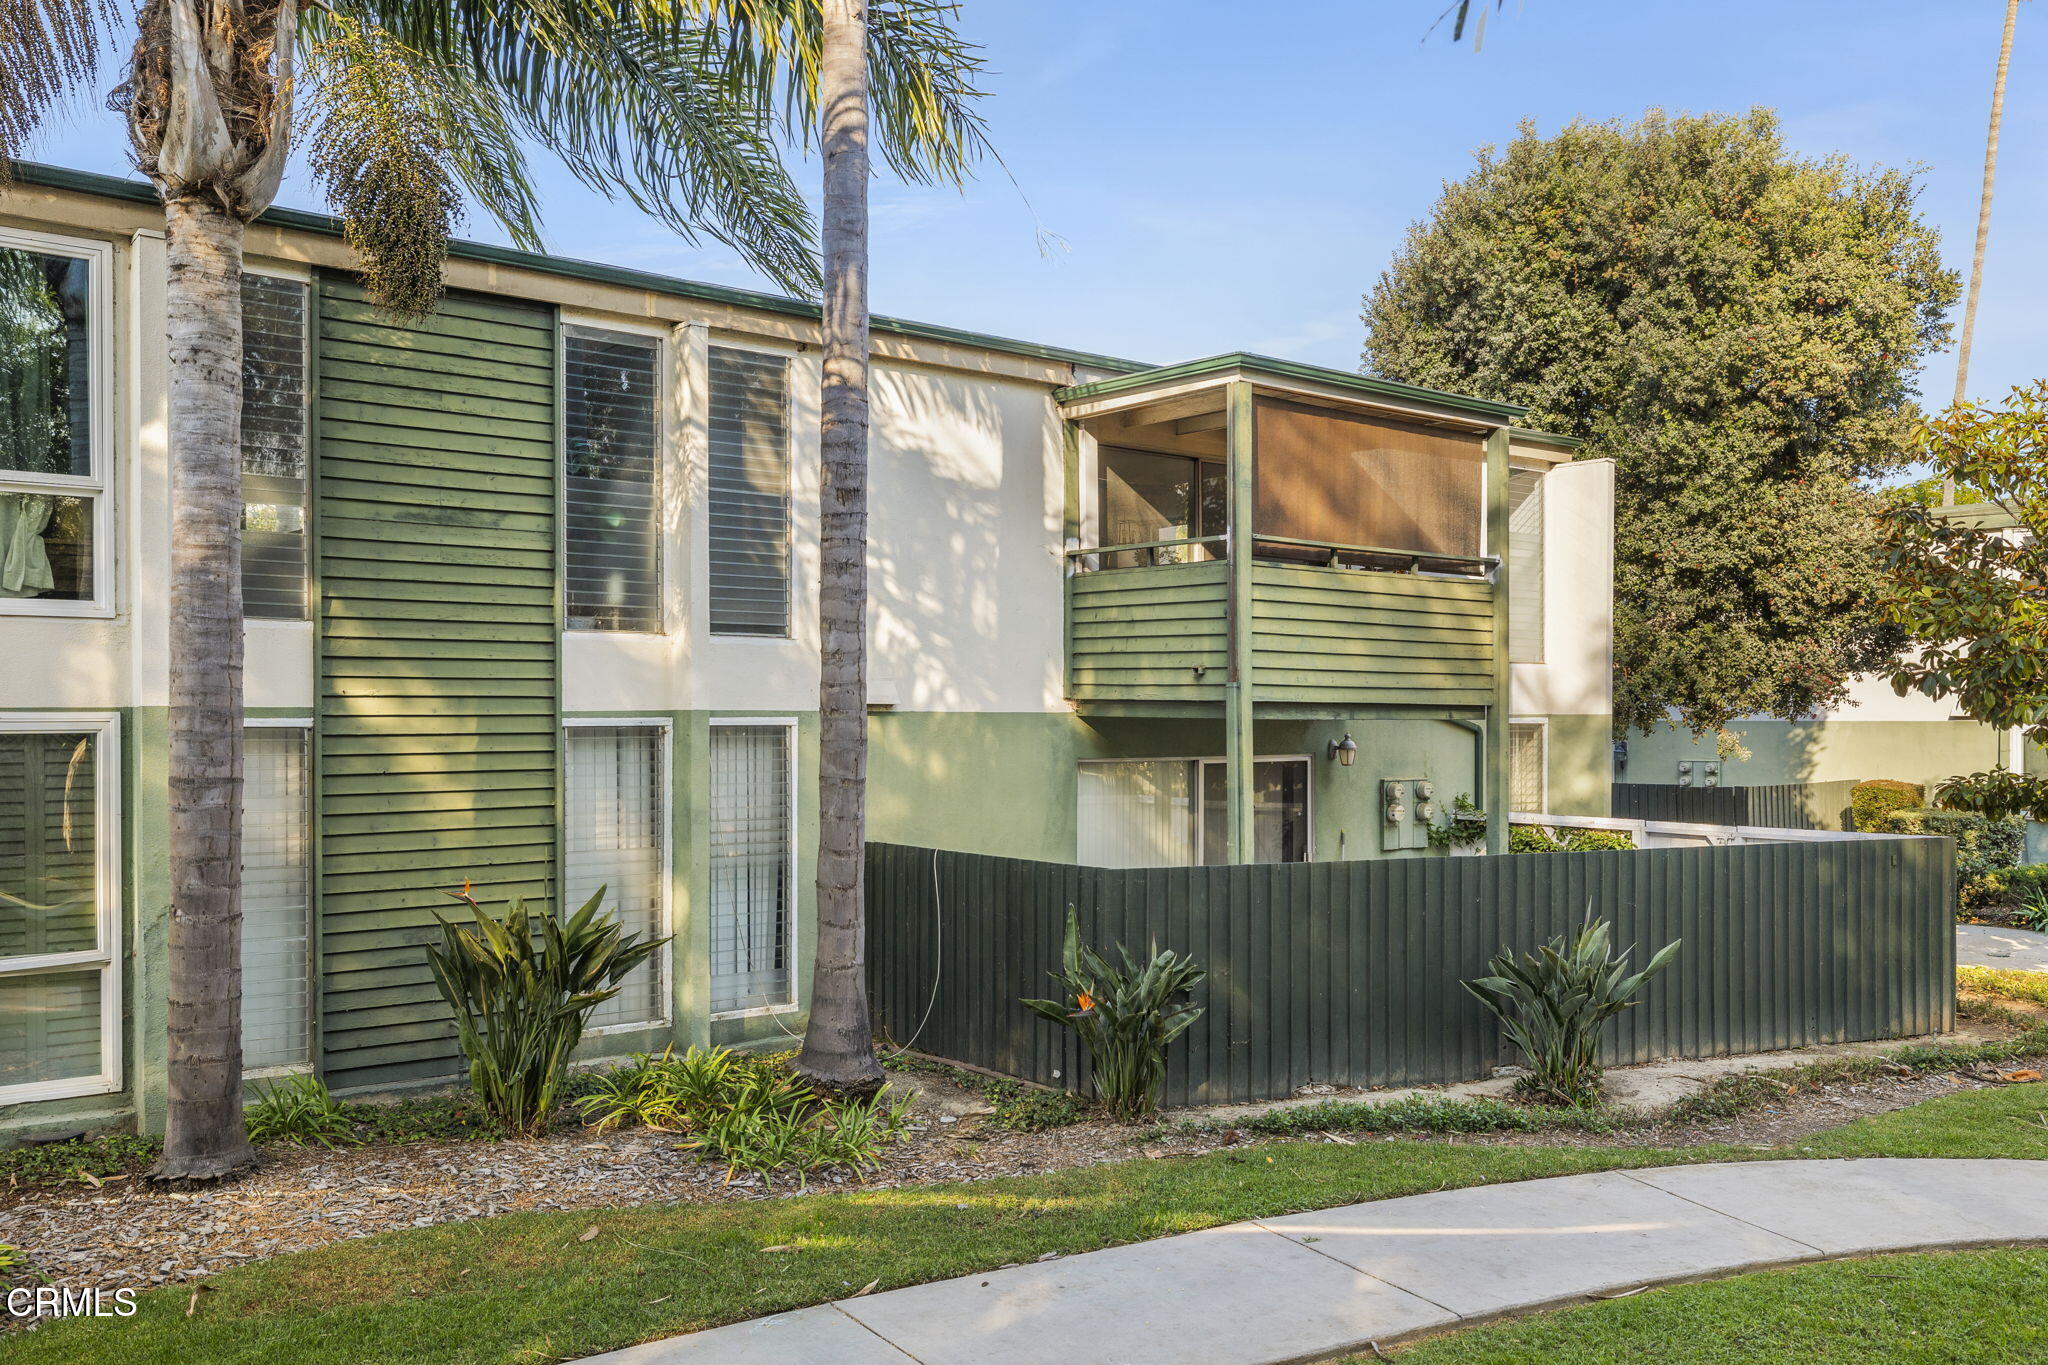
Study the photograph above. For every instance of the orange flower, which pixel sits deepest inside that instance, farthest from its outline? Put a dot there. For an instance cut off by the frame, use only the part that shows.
(1085, 1001)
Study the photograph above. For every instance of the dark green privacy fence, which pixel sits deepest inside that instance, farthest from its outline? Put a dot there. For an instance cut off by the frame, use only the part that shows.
(1347, 973)
(1779, 805)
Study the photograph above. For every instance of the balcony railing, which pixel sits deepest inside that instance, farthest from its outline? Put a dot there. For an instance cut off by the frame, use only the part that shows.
(1283, 550)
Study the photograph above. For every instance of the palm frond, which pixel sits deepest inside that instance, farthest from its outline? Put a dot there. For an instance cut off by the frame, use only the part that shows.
(47, 48)
(636, 104)
(379, 153)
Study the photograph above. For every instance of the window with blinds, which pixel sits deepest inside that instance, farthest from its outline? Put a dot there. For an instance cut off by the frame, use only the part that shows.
(612, 431)
(273, 447)
(277, 899)
(753, 946)
(1528, 786)
(615, 840)
(57, 801)
(750, 519)
(1525, 567)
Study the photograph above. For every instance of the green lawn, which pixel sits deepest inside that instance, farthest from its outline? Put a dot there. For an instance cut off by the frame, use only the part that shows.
(525, 1288)
(1980, 1307)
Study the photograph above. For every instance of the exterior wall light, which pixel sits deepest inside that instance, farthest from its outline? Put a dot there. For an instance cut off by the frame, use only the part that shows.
(1344, 750)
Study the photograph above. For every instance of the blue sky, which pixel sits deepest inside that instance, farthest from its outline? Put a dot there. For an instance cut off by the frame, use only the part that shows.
(1231, 176)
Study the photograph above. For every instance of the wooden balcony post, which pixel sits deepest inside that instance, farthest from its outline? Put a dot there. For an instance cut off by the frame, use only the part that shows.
(1496, 775)
(1240, 744)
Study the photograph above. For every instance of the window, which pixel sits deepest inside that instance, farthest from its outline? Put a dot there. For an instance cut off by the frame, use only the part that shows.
(753, 944)
(1528, 781)
(617, 839)
(60, 989)
(1143, 813)
(612, 431)
(750, 522)
(273, 447)
(1148, 497)
(1525, 566)
(277, 899)
(53, 429)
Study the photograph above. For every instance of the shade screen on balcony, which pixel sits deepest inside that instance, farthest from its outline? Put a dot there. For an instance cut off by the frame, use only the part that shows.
(1340, 479)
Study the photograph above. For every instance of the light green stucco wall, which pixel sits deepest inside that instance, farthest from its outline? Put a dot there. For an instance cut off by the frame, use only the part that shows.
(1579, 759)
(1824, 751)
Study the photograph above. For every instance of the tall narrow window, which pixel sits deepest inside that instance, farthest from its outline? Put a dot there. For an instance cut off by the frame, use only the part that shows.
(1525, 566)
(59, 992)
(753, 945)
(52, 461)
(1528, 782)
(273, 448)
(617, 833)
(277, 900)
(750, 521)
(612, 424)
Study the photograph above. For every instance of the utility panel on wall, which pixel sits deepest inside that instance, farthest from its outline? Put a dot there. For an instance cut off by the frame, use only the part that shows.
(1407, 808)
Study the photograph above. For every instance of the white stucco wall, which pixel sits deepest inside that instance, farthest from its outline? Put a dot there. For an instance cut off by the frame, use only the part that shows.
(1577, 675)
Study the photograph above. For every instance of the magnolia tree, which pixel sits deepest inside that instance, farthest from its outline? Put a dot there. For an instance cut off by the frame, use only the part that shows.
(1971, 592)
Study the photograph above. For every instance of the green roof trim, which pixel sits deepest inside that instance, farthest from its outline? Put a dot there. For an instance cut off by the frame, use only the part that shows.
(1291, 369)
(135, 191)
(1546, 438)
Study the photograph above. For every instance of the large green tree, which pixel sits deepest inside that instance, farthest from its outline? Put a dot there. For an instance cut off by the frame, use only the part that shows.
(1971, 591)
(682, 107)
(1739, 327)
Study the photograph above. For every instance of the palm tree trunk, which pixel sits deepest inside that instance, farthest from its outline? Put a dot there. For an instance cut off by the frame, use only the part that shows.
(838, 1051)
(204, 1138)
(2012, 14)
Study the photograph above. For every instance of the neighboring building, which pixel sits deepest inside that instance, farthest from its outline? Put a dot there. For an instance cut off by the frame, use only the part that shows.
(531, 591)
(1878, 733)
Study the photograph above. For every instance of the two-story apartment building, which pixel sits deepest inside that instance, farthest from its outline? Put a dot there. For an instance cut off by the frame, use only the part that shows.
(531, 596)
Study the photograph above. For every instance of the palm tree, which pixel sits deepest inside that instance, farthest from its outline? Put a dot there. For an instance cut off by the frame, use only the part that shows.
(416, 104)
(838, 1050)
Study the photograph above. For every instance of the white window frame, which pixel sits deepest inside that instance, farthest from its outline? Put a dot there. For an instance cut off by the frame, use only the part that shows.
(789, 360)
(98, 486)
(1542, 724)
(305, 723)
(795, 1001)
(106, 954)
(664, 439)
(665, 821)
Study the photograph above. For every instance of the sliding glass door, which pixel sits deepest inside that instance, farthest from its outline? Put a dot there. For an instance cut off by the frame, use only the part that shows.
(1172, 812)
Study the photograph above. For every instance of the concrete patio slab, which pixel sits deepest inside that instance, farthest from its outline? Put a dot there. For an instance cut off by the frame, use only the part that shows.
(1312, 1286)
(1476, 1250)
(1227, 1296)
(1846, 1208)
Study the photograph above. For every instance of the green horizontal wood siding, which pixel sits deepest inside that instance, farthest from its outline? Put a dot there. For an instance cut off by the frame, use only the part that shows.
(1319, 635)
(438, 725)
(1346, 973)
(1140, 634)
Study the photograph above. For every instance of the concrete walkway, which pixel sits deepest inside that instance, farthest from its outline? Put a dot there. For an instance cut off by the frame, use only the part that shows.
(1990, 945)
(1314, 1286)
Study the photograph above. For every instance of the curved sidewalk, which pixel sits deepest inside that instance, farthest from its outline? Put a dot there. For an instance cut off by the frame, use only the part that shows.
(1311, 1286)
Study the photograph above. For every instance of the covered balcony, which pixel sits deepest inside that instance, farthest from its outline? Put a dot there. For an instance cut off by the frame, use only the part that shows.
(1255, 538)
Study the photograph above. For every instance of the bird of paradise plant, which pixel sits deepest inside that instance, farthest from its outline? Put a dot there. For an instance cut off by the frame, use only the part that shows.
(1124, 1015)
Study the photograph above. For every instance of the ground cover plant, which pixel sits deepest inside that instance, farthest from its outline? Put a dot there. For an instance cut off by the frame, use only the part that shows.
(751, 1112)
(299, 1109)
(1013, 1105)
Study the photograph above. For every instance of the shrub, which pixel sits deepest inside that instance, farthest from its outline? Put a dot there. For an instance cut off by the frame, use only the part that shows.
(1465, 828)
(1999, 794)
(753, 1113)
(521, 988)
(1870, 802)
(1543, 839)
(1553, 1001)
(1124, 1017)
(1986, 850)
(299, 1110)
(2021, 889)
(1027, 1109)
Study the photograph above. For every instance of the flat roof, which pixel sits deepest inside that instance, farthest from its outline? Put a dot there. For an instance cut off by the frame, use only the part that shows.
(1246, 363)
